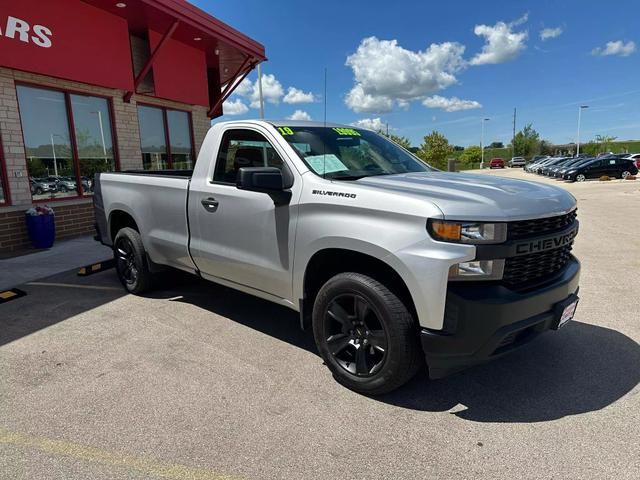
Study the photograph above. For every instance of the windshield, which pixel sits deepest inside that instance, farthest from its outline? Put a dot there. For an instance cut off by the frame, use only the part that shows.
(349, 153)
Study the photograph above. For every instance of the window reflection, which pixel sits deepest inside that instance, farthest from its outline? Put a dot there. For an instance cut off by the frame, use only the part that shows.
(94, 140)
(158, 151)
(54, 172)
(152, 138)
(45, 128)
(180, 140)
(3, 197)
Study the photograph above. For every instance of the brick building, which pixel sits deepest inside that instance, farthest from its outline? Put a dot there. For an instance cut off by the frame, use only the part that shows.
(101, 85)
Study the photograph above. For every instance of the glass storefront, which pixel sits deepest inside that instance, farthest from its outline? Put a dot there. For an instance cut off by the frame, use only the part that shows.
(92, 124)
(56, 169)
(158, 151)
(152, 138)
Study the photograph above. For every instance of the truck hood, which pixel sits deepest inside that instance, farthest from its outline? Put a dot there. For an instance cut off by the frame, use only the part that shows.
(464, 196)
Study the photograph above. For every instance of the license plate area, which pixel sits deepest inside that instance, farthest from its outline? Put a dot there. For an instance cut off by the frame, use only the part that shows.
(564, 311)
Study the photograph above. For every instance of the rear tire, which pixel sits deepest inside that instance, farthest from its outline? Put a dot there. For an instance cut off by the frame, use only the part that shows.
(365, 334)
(131, 262)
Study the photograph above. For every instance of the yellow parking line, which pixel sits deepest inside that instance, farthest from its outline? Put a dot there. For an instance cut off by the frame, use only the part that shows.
(7, 295)
(90, 454)
(71, 285)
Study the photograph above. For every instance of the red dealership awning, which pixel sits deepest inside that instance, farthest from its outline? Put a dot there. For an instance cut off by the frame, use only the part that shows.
(179, 29)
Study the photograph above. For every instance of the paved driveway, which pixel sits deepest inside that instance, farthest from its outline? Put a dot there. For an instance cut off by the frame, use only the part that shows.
(201, 382)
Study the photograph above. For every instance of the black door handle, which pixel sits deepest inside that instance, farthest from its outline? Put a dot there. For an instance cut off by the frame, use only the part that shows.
(210, 204)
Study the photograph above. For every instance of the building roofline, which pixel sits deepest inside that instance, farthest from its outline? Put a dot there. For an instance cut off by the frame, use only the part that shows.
(197, 18)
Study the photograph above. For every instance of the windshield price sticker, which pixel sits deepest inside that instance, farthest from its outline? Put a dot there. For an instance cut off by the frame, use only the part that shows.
(284, 131)
(347, 132)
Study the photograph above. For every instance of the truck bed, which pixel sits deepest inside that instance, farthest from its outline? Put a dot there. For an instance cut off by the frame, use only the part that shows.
(157, 202)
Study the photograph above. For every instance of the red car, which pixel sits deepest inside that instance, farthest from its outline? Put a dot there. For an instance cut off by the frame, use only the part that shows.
(496, 163)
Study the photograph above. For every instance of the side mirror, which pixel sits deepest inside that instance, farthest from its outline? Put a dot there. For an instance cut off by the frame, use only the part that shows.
(270, 180)
(260, 179)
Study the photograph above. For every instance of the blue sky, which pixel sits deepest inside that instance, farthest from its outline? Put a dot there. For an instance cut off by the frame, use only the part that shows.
(446, 65)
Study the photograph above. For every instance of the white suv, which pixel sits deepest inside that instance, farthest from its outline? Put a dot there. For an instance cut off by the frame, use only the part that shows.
(517, 162)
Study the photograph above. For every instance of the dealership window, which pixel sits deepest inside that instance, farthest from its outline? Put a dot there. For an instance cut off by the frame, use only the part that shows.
(4, 191)
(165, 138)
(62, 163)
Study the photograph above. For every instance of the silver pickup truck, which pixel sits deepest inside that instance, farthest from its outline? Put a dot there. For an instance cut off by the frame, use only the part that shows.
(394, 264)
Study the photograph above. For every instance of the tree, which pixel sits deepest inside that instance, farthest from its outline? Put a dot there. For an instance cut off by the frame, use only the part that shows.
(471, 155)
(604, 142)
(435, 149)
(404, 142)
(546, 147)
(526, 142)
(496, 145)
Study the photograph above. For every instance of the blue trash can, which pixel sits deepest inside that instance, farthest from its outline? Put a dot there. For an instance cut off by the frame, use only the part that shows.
(41, 229)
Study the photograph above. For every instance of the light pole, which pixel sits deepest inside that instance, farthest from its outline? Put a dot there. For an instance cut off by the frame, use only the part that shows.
(482, 143)
(580, 108)
(260, 92)
(104, 145)
(53, 150)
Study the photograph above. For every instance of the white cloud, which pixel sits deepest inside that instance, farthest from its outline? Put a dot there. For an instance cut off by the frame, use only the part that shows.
(234, 107)
(295, 95)
(547, 33)
(616, 48)
(299, 115)
(375, 124)
(245, 88)
(386, 73)
(453, 104)
(502, 44)
(272, 91)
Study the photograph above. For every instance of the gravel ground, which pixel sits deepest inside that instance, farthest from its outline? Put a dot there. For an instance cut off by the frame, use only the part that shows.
(201, 382)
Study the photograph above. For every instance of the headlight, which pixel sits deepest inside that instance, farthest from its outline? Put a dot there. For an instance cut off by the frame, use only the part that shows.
(477, 270)
(572, 171)
(467, 232)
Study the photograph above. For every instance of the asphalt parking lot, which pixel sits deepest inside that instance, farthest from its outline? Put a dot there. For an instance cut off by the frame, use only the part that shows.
(200, 382)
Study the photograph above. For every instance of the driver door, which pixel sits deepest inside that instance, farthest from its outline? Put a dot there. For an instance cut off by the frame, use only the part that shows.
(241, 236)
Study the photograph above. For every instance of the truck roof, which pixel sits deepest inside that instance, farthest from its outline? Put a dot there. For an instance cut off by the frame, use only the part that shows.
(292, 123)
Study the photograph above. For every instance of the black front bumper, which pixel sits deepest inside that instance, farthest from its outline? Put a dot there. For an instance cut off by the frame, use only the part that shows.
(483, 322)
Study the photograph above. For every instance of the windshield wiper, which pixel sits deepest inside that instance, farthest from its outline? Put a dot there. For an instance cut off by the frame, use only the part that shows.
(357, 177)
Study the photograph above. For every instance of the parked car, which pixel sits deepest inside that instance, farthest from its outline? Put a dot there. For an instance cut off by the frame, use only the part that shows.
(496, 163)
(40, 186)
(503, 270)
(554, 169)
(538, 165)
(603, 166)
(537, 160)
(517, 162)
(544, 170)
(63, 184)
(565, 167)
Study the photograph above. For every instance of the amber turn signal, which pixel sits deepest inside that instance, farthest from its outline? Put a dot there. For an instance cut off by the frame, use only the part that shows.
(446, 230)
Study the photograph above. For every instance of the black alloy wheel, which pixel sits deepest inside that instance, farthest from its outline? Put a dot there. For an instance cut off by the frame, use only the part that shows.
(365, 334)
(126, 261)
(131, 261)
(355, 335)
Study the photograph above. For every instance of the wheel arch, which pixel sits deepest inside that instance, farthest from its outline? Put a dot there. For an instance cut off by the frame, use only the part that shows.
(119, 219)
(328, 262)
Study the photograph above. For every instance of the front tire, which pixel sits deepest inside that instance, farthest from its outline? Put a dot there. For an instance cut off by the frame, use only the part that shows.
(365, 334)
(580, 178)
(131, 262)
